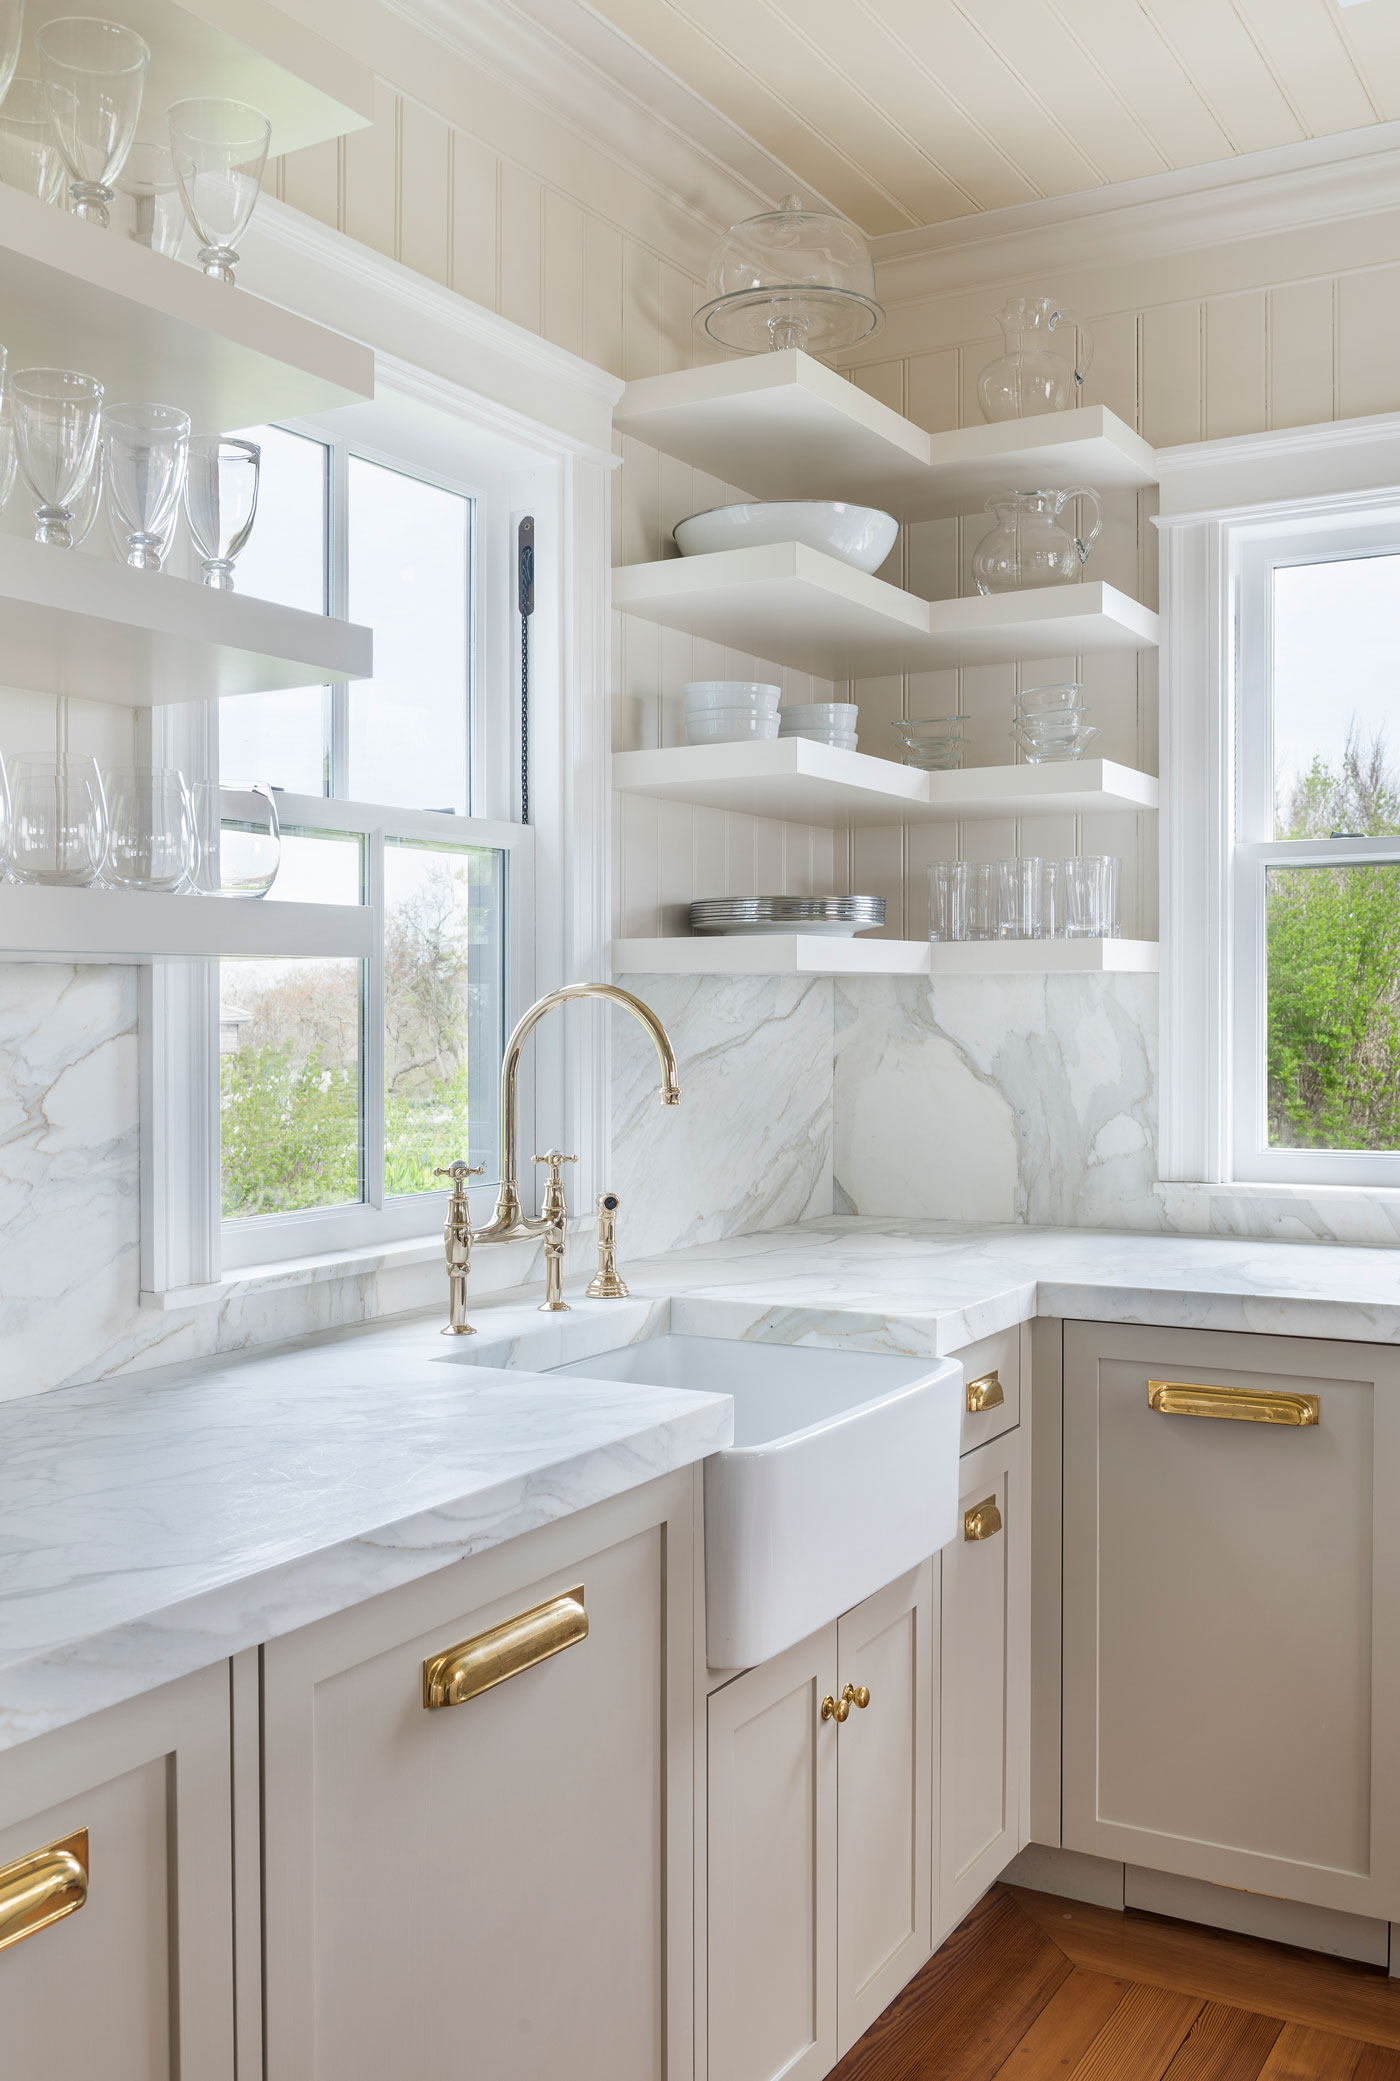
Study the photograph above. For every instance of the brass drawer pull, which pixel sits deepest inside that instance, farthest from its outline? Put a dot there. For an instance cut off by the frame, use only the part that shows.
(984, 1393)
(1241, 1404)
(43, 1887)
(983, 1521)
(517, 1644)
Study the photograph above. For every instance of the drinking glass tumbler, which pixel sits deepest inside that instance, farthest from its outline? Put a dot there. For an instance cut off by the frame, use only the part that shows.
(94, 74)
(1110, 869)
(150, 831)
(148, 180)
(240, 843)
(58, 821)
(947, 899)
(146, 448)
(57, 415)
(981, 899)
(1052, 902)
(219, 150)
(221, 498)
(1020, 886)
(1091, 897)
(11, 37)
(29, 154)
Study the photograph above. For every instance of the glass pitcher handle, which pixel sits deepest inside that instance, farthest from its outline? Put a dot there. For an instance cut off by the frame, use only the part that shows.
(1084, 543)
(1065, 316)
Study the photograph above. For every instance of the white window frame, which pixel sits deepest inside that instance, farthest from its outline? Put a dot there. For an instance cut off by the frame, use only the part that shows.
(556, 467)
(1232, 511)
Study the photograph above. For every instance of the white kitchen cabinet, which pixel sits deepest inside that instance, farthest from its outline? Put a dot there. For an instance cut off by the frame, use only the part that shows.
(126, 1816)
(506, 1881)
(985, 1691)
(1232, 1611)
(819, 1838)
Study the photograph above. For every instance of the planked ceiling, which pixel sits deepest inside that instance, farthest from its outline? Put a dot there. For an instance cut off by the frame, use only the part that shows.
(910, 112)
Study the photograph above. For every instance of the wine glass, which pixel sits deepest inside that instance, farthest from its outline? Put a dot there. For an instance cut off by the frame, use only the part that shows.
(94, 75)
(219, 149)
(240, 842)
(57, 415)
(29, 154)
(146, 449)
(221, 498)
(11, 37)
(150, 830)
(148, 178)
(58, 821)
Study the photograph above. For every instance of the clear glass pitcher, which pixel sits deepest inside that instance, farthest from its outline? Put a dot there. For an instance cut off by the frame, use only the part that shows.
(1041, 370)
(1028, 546)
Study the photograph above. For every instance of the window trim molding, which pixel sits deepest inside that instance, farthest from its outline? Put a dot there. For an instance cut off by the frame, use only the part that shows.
(1218, 499)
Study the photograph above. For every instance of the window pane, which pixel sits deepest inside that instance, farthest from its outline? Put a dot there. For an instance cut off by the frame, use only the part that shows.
(443, 973)
(319, 867)
(1334, 1007)
(290, 1117)
(281, 737)
(409, 544)
(1336, 698)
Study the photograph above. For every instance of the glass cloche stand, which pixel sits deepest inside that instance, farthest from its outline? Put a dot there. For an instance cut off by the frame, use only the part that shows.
(790, 277)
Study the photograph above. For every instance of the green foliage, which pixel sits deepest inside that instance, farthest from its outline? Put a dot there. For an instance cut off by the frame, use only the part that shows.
(289, 1130)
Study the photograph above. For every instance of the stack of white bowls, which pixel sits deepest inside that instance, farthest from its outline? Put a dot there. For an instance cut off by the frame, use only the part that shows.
(730, 711)
(825, 722)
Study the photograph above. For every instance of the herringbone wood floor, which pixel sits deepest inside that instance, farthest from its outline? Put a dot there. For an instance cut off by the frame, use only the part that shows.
(1031, 1988)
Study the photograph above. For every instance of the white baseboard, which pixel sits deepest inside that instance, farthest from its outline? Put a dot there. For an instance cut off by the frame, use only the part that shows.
(1258, 1914)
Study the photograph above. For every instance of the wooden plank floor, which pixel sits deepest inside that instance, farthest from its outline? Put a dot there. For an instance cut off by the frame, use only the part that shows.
(1033, 1988)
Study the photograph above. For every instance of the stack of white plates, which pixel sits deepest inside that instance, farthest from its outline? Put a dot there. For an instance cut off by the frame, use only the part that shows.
(836, 917)
(825, 722)
(730, 711)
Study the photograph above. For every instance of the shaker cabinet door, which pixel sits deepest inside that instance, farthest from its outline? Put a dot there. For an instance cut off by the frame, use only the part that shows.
(772, 1868)
(1232, 1610)
(885, 1650)
(116, 1897)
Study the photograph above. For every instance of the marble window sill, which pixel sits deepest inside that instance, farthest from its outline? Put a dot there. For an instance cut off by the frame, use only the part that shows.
(1348, 1214)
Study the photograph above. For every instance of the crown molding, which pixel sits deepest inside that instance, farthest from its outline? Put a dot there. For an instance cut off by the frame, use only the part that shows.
(1352, 174)
(415, 325)
(1347, 461)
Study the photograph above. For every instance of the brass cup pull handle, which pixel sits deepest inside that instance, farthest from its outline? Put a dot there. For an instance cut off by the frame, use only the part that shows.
(517, 1644)
(838, 1709)
(1239, 1404)
(857, 1694)
(43, 1887)
(986, 1392)
(983, 1521)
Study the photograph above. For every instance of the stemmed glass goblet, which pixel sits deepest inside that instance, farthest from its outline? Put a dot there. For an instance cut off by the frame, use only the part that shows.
(57, 415)
(221, 499)
(29, 154)
(146, 449)
(94, 75)
(219, 149)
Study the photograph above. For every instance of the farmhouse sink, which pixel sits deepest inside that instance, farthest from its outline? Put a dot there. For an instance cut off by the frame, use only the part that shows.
(843, 1473)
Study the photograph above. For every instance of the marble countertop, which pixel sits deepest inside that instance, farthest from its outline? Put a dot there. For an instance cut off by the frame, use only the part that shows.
(157, 1521)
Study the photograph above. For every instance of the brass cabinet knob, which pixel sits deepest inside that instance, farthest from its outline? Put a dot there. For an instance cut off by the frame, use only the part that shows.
(856, 1694)
(985, 1393)
(838, 1709)
(983, 1521)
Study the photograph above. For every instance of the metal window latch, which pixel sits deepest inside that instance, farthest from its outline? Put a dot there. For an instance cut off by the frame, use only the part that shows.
(605, 1285)
(525, 601)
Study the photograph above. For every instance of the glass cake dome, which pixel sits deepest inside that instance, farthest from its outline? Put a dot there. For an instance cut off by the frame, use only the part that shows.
(790, 277)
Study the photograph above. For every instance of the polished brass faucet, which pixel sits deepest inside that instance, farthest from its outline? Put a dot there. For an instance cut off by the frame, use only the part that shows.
(509, 1223)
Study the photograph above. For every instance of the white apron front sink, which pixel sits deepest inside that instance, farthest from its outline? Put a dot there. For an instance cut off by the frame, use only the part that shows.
(843, 1473)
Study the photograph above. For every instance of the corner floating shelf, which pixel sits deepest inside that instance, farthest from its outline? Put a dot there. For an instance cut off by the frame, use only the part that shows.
(308, 88)
(796, 606)
(125, 925)
(784, 954)
(786, 427)
(92, 628)
(76, 296)
(800, 782)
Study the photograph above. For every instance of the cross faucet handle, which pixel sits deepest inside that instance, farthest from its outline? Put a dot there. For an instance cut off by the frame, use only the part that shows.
(554, 1159)
(552, 1206)
(459, 1172)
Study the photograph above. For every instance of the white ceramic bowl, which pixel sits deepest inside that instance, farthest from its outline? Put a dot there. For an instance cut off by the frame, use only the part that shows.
(824, 715)
(731, 693)
(730, 726)
(858, 535)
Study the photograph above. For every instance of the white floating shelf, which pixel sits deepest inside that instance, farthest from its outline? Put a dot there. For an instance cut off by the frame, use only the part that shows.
(769, 953)
(786, 427)
(1043, 957)
(147, 326)
(93, 628)
(309, 89)
(42, 924)
(795, 606)
(804, 783)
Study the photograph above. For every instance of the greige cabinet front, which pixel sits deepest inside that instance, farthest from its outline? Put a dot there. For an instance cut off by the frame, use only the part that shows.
(116, 1922)
(819, 1828)
(489, 1885)
(1232, 1610)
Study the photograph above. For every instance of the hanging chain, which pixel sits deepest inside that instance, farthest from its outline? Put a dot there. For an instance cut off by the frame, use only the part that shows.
(525, 588)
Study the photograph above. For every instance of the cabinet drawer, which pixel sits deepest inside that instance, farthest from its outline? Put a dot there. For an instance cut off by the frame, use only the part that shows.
(991, 1376)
